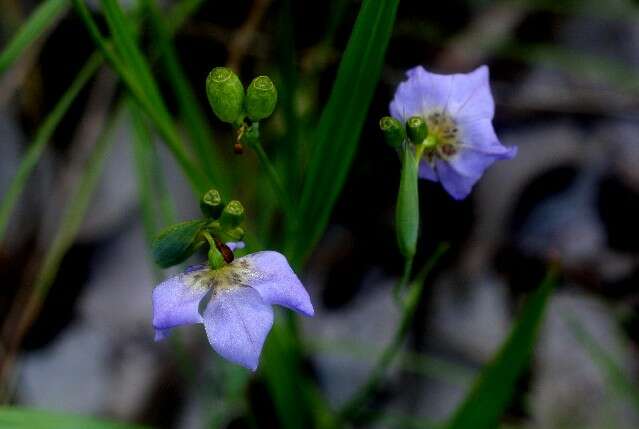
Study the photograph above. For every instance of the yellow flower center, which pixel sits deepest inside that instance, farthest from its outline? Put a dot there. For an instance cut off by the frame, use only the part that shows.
(443, 135)
(236, 274)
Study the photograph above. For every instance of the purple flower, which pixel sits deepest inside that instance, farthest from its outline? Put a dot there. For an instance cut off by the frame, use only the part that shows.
(233, 303)
(458, 110)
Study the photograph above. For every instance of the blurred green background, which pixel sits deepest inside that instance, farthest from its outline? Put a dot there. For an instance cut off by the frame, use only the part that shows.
(106, 136)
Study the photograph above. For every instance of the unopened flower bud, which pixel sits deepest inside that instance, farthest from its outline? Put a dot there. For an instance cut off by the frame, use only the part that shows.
(261, 98)
(416, 129)
(211, 204)
(226, 94)
(216, 259)
(232, 215)
(393, 131)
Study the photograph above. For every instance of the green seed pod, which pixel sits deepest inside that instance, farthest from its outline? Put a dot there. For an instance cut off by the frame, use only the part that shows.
(211, 204)
(416, 129)
(261, 98)
(393, 131)
(232, 215)
(226, 94)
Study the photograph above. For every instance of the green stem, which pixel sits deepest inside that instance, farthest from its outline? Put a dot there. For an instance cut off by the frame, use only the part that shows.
(403, 283)
(274, 178)
(352, 410)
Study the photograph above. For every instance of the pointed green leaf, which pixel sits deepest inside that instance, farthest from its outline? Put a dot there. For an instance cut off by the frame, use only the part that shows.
(337, 135)
(40, 20)
(489, 397)
(177, 242)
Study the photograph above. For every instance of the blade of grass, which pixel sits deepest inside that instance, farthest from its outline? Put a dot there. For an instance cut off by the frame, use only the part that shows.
(342, 119)
(42, 136)
(157, 112)
(63, 239)
(617, 378)
(40, 21)
(194, 118)
(489, 397)
(28, 418)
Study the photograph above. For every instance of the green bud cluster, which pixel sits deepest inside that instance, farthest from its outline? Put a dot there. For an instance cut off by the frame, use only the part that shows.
(232, 104)
(222, 223)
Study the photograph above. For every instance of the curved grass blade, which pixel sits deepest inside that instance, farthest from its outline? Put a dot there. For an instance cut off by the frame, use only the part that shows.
(617, 377)
(42, 136)
(27, 418)
(193, 117)
(39, 21)
(341, 122)
(489, 397)
(144, 89)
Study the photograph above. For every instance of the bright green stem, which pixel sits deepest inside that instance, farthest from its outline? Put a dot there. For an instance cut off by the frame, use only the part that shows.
(43, 135)
(403, 283)
(353, 409)
(39, 21)
(407, 210)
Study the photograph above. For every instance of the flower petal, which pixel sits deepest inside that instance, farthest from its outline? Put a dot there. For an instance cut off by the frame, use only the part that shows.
(162, 334)
(176, 300)
(271, 275)
(470, 96)
(420, 93)
(237, 321)
(455, 183)
(235, 245)
(426, 171)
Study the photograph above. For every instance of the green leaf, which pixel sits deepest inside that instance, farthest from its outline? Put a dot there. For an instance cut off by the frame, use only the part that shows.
(340, 126)
(177, 242)
(42, 136)
(489, 397)
(40, 20)
(26, 418)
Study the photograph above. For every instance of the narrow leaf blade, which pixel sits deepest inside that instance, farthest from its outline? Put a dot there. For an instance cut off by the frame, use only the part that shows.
(343, 117)
(489, 397)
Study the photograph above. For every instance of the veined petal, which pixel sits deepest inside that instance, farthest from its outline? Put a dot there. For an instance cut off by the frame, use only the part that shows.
(470, 96)
(176, 300)
(270, 274)
(237, 322)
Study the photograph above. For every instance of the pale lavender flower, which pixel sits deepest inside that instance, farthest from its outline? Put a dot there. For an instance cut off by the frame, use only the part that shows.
(458, 110)
(233, 303)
